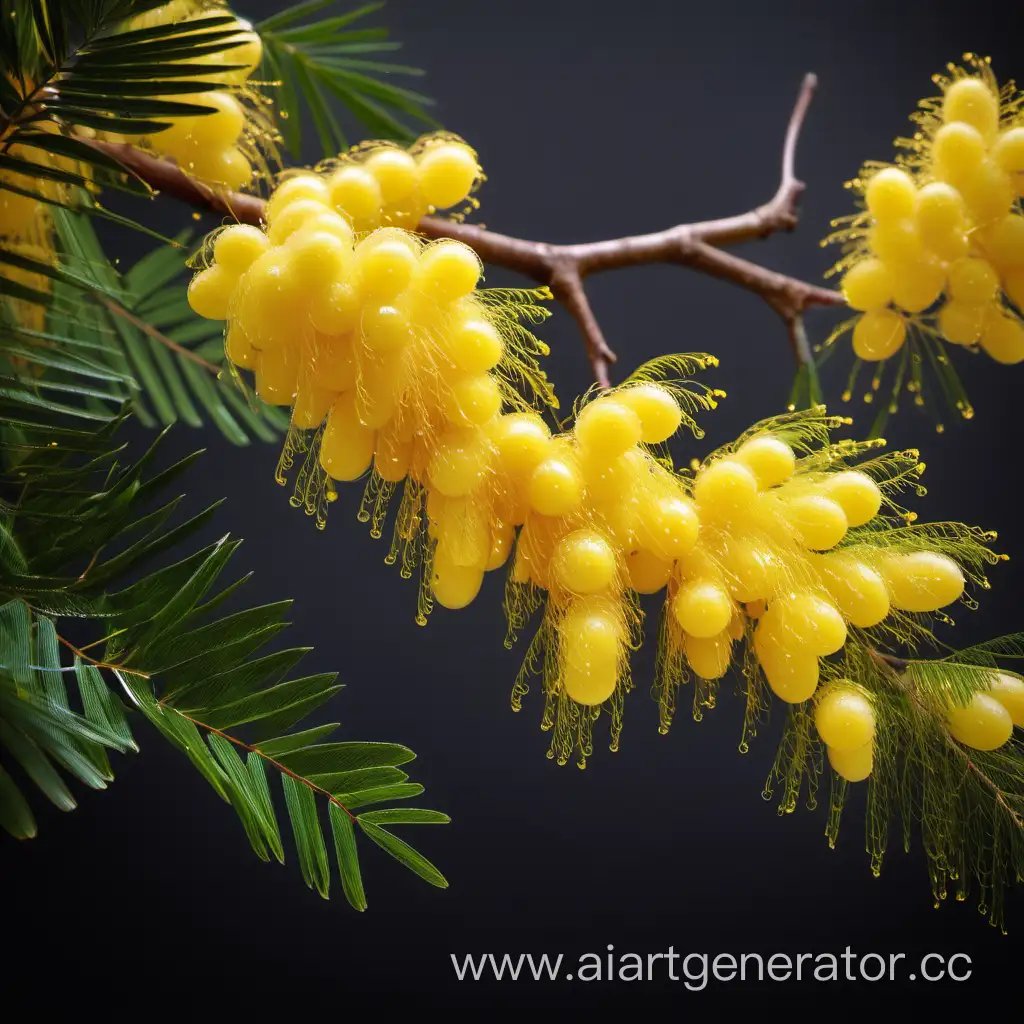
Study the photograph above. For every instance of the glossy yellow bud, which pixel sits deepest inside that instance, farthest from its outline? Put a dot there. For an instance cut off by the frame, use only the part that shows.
(891, 195)
(336, 309)
(972, 101)
(473, 400)
(960, 322)
(1004, 242)
(592, 643)
(454, 586)
(210, 292)
(459, 463)
(853, 765)
(819, 521)
(792, 673)
(1009, 691)
(922, 581)
(724, 488)
(896, 242)
(844, 718)
(669, 526)
(858, 591)
(702, 607)
(957, 150)
(522, 441)
(984, 724)
(973, 281)
(647, 572)
(1008, 150)
(805, 621)
(238, 246)
(607, 428)
(449, 270)
(385, 329)
(446, 173)
(354, 191)
(752, 572)
(503, 536)
(291, 218)
(708, 656)
(395, 171)
(658, 410)
(584, 562)
(473, 346)
(770, 459)
(878, 335)
(868, 284)
(346, 448)
(296, 189)
(988, 191)
(856, 494)
(919, 285)
(1002, 337)
(556, 487)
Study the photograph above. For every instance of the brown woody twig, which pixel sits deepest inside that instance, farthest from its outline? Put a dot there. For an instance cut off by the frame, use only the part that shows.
(563, 268)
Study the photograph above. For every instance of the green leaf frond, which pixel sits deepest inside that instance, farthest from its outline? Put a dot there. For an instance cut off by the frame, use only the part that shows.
(318, 63)
(82, 338)
(83, 535)
(73, 73)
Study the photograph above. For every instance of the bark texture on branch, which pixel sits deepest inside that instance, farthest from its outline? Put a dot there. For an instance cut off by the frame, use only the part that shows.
(564, 268)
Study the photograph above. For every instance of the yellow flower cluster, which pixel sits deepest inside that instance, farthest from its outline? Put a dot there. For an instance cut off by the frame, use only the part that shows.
(211, 146)
(940, 244)
(398, 366)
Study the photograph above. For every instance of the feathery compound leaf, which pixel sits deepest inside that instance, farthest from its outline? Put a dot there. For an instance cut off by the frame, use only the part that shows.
(319, 59)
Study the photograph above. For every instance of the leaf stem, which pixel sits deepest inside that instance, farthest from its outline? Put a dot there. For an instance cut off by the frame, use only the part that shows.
(148, 329)
(266, 757)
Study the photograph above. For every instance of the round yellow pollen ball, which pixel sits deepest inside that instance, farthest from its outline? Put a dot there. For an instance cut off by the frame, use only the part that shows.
(592, 639)
(522, 441)
(238, 246)
(961, 323)
(957, 150)
(1009, 691)
(922, 581)
(845, 718)
(584, 562)
(647, 572)
(972, 101)
(1008, 150)
(702, 607)
(919, 285)
(319, 258)
(556, 487)
(607, 428)
(659, 412)
(215, 130)
(210, 292)
(852, 765)
(752, 571)
(1004, 242)
(769, 458)
(709, 657)
(858, 591)
(896, 241)
(805, 621)
(856, 494)
(335, 310)
(819, 521)
(669, 526)
(291, 190)
(385, 329)
(973, 281)
(724, 487)
(454, 586)
(346, 449)
(227, 166)
(792, 673)
(449, 270)
(354, 191)
(988, 191)
(984, 724)
(385, 267)
(291, 218)
(891, 195)
(868, 284)
(395, 171)
(446, 173)
(1002, 337)
(878, 334)
(473, 346)
(473, 400)
(459, 463)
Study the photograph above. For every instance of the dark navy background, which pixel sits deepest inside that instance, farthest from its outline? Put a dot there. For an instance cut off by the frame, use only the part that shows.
(592, 120)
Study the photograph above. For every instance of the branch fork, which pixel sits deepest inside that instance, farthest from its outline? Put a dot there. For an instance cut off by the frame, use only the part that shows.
(564, 268)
